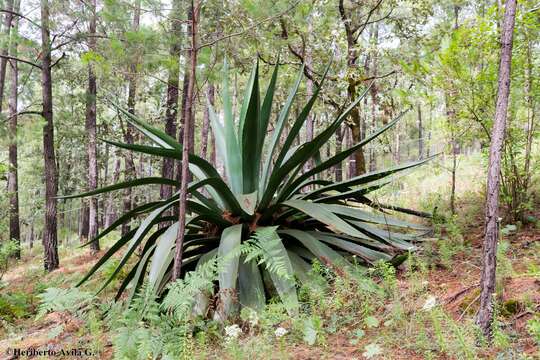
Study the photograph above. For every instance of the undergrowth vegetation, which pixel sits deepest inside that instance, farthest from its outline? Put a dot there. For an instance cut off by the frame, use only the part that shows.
(409, 311)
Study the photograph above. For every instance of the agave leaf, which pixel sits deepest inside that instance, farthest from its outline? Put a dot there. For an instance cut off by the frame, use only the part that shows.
(123, 185)
(285, 285)
(291, 168)
(130, 214)
(137, 238)
(359, 214)
(248, 202)
(112, 250)
(249, 127)
(250, 286)
(365, 253)
(354, 194)
(248, 94)
(299, 123)
(126, 281)
(278, 129)
(300, 267)
(397, 240)
(325, 254)
(202, 299)
(141, 269)
(266, 111)
(160, 137)
(162, 256)
(368, 177)
(228, 149)
(322, 214)
(228, 274)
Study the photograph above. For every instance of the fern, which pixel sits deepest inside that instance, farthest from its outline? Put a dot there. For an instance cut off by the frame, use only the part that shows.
(265, 247)
(182, 293)
(72, 300)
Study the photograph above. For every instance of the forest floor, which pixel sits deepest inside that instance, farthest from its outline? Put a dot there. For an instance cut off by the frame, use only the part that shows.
(427, 311)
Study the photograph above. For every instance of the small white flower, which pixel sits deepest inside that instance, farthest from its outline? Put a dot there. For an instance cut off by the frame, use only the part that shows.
(281, 332)
(253, 318)
(233, 331)
(430, 303)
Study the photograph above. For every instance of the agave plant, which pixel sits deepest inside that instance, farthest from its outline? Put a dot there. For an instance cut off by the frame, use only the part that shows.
(268, 183)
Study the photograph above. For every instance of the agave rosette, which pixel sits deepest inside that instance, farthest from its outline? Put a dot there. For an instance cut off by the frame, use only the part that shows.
(265, 184)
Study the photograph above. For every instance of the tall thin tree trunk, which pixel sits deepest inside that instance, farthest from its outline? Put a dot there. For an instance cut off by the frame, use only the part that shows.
(8, 19)
(188, 121)
(128, 202)
(374, 93)
(171, 112)
(90, 125)
(109, 212)
(104, 180)
(530, 125)
(484, 317)
(50, 235)
(206, 122)
(13, 181)
(338, 169)
(185, 86)
(420, 132)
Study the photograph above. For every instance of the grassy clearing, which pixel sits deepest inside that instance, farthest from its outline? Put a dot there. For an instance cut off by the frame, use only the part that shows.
(424, 309)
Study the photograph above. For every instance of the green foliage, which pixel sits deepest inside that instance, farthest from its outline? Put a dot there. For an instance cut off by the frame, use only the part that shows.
(8, 250)
(533, 327)
(71, 300)
(15, 305)
(264, 248)
(265, 189)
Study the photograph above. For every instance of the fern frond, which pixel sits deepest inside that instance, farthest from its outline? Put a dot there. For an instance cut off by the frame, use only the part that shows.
(263, 247)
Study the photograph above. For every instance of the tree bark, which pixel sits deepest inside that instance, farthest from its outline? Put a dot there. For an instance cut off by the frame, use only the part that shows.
(110, 214)
(484, 317)
(83, 225)
(8, 20)
(352, 34)
(50, 235)
(185, 86)
(13, 181)
(171, 112)
(530, 126)
(90, 125)
(206, 122)
(374, 93)
(420, 132)
(129, 164)
(188, 121)
(338, 169)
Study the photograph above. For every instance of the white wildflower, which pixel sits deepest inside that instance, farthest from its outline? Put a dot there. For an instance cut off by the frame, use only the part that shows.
(233, 331)
(253, 318)
(430, 303)
(281, 332)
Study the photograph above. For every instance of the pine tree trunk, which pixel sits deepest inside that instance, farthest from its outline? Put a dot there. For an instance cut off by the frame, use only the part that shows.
(13, 181)
(420, 132)
(374, 93)
(188, 122)
(84, 216)
(50, 235)
(171, 112)
(90, 125)
(110, 214)
(185, 86)
(8, 19)
(129, 164)
(338, 169)
(206, 122)
(484, 317)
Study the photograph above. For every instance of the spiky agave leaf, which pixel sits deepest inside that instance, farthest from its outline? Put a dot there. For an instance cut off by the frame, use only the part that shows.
(301, 216)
